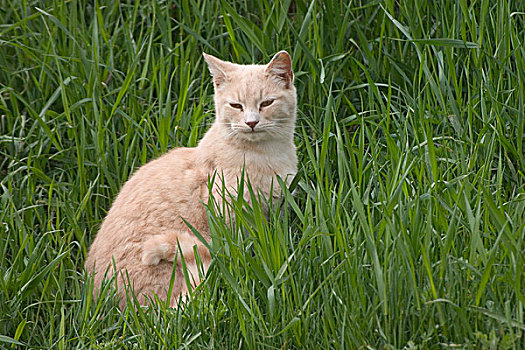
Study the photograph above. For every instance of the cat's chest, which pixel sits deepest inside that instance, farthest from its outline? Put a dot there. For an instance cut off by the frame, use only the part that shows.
(260, 169)
(266, 163)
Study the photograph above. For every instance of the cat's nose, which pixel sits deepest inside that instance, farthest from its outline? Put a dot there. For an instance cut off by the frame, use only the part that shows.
(252, 124)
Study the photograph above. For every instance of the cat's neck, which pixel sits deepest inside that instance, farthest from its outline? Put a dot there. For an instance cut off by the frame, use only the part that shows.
(230, 152)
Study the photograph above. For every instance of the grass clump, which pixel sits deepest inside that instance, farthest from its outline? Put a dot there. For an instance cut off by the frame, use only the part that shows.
(408, 223)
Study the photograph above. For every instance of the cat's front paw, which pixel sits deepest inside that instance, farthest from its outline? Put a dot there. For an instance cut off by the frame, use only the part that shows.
(154, 250)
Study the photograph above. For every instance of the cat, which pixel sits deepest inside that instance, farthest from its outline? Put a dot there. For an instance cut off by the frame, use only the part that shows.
(255, 107)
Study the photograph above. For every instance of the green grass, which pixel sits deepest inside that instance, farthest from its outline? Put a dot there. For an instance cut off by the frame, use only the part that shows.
(408, 221)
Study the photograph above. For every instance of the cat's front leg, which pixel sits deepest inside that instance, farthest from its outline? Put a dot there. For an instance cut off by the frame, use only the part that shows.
(166, 247)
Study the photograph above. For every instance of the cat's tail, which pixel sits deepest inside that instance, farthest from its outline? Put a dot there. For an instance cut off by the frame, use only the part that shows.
(166, 247)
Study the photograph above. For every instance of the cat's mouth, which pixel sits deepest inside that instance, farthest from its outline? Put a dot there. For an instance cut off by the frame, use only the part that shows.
(247, 130)
(248, 134)
(260, 132)
(251, 131)
(251, 135)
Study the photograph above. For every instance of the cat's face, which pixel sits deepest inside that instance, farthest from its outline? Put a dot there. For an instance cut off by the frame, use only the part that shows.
(255, 102)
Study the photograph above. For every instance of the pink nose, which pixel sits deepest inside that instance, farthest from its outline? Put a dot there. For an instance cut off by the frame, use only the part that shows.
(252, 124)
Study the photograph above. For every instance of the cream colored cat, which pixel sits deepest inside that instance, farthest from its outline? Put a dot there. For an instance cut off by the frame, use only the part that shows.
(255, 119)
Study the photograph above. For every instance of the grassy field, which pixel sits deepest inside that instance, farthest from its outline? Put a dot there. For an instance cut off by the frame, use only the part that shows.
(408, 224)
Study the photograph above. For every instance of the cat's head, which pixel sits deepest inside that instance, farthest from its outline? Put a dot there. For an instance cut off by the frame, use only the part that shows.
(255, 102)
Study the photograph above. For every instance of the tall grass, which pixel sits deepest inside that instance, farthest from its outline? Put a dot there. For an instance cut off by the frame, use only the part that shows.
(407, 225)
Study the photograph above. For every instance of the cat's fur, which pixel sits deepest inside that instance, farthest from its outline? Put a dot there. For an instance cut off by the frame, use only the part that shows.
(144, 227)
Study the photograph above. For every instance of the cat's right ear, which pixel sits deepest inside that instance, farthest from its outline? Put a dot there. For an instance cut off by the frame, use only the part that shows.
(281, 67)
(217, 69)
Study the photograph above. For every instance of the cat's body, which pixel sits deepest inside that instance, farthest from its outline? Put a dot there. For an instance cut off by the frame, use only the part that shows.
(255, 119)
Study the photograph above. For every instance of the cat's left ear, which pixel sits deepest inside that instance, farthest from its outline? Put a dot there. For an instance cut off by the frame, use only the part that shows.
(281, 67)
(218, 69)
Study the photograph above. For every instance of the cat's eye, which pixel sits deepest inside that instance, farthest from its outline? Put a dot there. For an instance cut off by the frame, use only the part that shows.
(236, 106)
(266, 103)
